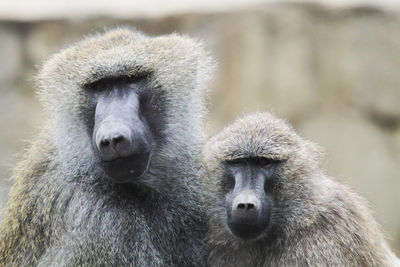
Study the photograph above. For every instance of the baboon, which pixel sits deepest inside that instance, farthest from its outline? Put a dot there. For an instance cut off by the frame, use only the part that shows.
(112, 180)
(269, 202)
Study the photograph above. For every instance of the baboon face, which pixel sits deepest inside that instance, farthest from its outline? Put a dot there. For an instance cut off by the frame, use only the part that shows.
(125, 126)
(122, 105)
(248, 183)
(252, 174)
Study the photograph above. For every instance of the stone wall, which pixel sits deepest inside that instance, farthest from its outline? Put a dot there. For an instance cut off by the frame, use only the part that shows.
(334, 73)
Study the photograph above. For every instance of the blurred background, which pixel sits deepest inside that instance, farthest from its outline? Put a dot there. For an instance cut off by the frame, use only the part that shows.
(332, 68)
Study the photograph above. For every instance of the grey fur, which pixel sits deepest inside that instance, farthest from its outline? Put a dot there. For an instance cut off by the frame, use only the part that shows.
(62, 212)
(316, 220)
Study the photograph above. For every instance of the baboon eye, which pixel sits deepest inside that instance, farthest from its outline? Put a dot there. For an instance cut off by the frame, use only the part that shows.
(236, 162)
(265, 162)
(97, 86)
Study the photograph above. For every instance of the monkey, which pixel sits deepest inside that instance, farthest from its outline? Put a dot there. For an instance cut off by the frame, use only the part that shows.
(112, 178)
(269, 202)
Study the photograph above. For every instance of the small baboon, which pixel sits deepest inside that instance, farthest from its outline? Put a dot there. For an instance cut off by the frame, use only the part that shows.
(112, 180)
(269, 203)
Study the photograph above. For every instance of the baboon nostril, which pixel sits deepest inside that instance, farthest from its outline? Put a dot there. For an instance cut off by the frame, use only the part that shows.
(104, 143)
(113, 142)
(118, 139)
(245, 206)
(241, 206)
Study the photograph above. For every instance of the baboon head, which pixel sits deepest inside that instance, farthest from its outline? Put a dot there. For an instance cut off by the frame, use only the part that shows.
(121, 103)
(253, 172)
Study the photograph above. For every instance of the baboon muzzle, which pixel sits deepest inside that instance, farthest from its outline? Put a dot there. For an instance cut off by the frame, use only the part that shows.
(247, 217)
(122, 139)
(247, 204)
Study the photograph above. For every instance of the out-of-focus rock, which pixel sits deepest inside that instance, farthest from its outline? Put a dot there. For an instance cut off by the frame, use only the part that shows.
(361, 154)
(360, 58)
(11, 56)
(267, 61)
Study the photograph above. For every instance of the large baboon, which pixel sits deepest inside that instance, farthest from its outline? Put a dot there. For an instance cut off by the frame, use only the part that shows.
(269, 203)
(112, 178)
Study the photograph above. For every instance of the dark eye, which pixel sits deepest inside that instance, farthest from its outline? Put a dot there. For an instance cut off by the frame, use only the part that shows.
(265, 162)
(236, 162)
(97, 86)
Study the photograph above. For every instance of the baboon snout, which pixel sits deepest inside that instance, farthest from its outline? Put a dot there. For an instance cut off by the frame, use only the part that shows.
(249, 215)
(246, 206)
(124, 150)
(114, 140)
(122, 136)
